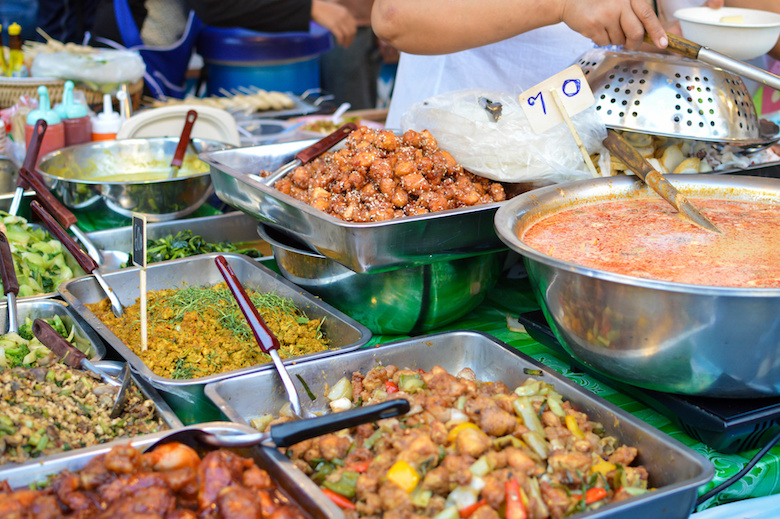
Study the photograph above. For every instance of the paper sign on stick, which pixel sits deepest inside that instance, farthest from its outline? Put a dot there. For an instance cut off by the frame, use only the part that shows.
(139, 259)
(539, 106)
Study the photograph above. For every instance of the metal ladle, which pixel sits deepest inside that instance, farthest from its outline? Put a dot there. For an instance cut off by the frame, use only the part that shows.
(264, 336)
(184, 143)
(10, 282)
(75, 358)
(30, 160)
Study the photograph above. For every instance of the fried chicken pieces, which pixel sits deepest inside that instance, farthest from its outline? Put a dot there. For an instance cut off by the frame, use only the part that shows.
(171, 482)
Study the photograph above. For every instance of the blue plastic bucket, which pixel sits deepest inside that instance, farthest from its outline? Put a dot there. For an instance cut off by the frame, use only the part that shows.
(286, 62)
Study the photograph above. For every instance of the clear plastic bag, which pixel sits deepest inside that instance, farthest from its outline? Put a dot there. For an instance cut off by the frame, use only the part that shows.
(102, 70)
(506, 150)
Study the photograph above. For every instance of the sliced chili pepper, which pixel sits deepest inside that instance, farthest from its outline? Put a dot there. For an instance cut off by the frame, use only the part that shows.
(515, 509)
(359, 466)
(595, 494)
(391, 387)
(467, 511)
(337, 498)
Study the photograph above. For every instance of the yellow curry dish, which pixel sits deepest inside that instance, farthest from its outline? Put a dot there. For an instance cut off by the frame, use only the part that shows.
(195, 332)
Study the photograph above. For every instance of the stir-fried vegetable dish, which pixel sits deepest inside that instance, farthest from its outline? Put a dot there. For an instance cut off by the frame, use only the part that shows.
(171, 481)
(200, 331)
(466, 448)
(24, 348)
(39, 259)
(185, 243)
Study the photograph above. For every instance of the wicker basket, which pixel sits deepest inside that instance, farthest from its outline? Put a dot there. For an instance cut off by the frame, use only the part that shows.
(11, 89)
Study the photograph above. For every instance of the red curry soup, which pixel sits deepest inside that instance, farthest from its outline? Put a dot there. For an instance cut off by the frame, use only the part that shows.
(647, 238)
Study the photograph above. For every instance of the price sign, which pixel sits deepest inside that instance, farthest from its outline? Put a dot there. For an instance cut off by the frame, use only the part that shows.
(540, 107)
(139, 241)
(139, 259)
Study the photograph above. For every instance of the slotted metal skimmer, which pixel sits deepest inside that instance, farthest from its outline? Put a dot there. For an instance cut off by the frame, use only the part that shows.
(670, 95)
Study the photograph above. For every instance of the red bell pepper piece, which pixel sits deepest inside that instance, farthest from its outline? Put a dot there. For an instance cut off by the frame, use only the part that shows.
(467, 511)
(337, 498)
(391, 387)
(515, 508)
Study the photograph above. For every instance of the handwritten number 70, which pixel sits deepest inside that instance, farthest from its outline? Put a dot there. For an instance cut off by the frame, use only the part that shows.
(570, 88)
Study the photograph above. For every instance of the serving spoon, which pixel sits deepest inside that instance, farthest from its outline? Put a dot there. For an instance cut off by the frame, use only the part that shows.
(10, 282)
(264, 336)
(287, 433)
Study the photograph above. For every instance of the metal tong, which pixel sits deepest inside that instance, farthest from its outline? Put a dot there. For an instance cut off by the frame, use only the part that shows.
(618, 145)
(75, 358)
(89, 265)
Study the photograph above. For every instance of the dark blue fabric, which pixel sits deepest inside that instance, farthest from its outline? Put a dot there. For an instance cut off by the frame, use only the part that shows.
(166, 67)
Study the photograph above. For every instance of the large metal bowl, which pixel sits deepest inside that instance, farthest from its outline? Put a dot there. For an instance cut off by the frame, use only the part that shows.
(671, 337)
(401, 301)
(130, 176)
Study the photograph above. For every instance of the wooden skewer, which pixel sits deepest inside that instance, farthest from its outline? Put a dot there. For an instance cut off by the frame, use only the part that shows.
(565, 114)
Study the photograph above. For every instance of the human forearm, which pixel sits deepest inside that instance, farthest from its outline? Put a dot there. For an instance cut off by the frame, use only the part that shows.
(442, 26)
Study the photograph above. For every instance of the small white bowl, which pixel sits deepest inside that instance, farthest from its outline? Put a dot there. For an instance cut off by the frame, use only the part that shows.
(742, 34)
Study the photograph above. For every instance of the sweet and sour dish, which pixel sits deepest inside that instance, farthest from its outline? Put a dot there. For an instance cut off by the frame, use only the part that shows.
(467, 448)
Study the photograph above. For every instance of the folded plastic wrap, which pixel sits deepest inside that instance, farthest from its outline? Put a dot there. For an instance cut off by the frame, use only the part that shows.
(102, 70)
(506, 150)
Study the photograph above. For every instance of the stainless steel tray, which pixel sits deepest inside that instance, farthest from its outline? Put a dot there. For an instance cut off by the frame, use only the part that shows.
(48, 308)
(361, 247)
(234, 227)
(293, 482)
(186, 396)
(675, 470)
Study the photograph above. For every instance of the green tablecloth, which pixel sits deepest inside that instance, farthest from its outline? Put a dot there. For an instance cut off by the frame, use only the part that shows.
(513, 297)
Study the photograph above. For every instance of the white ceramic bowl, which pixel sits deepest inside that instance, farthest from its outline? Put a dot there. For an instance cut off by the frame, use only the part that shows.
(742, 34)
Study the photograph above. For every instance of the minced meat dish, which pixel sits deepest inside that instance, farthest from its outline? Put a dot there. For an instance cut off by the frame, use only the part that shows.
(469, 449)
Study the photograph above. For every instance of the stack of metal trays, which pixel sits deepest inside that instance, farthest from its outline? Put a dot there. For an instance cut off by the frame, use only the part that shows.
(359, 246)
(675, 471)
(186, 395)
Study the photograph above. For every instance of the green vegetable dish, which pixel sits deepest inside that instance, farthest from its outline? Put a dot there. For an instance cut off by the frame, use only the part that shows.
(39, 259)
(185, 243)
(24, 349)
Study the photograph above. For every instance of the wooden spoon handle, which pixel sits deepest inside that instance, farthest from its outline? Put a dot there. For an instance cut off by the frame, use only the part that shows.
(49, 337)
(184, 140)
(7, 271)
(81, 257)
(31, 179)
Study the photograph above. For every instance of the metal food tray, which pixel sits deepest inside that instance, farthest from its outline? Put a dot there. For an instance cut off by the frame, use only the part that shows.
(48, 308)
(294, 483)
(675, 470)
(233, 227)
(360, 246)
(302, 106)
(186, 396)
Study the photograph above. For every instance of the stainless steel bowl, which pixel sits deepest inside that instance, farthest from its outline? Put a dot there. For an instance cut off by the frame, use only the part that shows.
(671, 337)
(130, 176)
(8, 171)
(400, 301)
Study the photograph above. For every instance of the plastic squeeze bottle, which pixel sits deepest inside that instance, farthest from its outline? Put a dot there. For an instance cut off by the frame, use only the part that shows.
(75, 116)
(54, 138)
(105, 124)
(16, 66)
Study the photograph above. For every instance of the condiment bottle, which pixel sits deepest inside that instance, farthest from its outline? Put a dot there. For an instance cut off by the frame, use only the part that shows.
(105, 124)
(75, 116)
(16, 66)
(54, 138)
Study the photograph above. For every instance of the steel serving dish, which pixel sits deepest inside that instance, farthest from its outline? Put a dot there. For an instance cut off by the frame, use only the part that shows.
(408, 300)
(675, 470)
(48, 308)
(294, 483)
(234, 227)
(671, 337)
(361, 247)
(186, 396)
(93, 176)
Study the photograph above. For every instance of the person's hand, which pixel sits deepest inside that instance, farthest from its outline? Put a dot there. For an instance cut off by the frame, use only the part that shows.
(337, 19)
(614, 22)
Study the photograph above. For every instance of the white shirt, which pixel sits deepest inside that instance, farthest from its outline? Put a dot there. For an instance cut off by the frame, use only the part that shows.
(511, 66)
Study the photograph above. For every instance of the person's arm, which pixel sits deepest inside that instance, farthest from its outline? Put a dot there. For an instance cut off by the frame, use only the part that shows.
(443, 26)
(337, 19)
